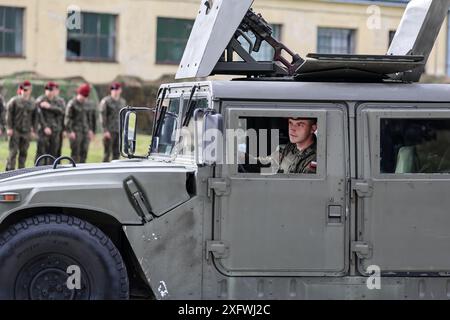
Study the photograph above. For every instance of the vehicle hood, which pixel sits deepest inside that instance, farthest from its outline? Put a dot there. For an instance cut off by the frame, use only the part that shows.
(99, 187)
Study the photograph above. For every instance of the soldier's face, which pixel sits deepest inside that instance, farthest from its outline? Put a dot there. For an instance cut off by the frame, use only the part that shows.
(26, 92)
(115, 94)
(81, 98)
(50, 93)
(301, 130)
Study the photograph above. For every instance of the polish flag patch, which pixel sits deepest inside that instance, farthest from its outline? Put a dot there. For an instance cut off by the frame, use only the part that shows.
(313, 164)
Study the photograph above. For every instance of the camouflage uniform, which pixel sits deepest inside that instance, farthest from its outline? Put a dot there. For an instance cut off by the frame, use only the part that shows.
(21, 117)
(77, 121)
(62, 104)
(292, 160)
(49, 118)
(92, 124)
(109, 109)
(2, 116)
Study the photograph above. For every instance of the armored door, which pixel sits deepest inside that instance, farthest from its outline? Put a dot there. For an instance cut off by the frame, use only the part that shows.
(269, 223)
(404, 167)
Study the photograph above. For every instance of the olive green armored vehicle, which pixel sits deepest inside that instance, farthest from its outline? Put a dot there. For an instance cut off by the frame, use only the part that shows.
(207, 214)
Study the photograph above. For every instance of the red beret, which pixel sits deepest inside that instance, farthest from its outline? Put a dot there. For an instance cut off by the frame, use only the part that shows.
(115, 86)
(50, 85)
(84, 90)
(24, 84)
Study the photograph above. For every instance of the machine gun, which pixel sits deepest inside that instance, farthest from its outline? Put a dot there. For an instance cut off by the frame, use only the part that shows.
(255, 24)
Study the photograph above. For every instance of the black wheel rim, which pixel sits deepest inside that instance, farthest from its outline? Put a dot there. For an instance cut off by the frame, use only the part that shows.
(45, 278)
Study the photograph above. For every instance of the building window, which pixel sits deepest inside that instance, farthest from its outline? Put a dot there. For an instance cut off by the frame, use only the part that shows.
(96, 40)
(172, 37)
(11, 31)
(336, 41)
(266, 52)
(391, 36)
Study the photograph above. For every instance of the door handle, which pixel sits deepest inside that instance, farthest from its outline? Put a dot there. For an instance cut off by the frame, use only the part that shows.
(335, 214)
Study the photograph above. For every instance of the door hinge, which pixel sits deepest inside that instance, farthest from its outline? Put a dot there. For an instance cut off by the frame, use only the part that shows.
(218, 249)
(221, 186)
(362, 249)
(363, 188)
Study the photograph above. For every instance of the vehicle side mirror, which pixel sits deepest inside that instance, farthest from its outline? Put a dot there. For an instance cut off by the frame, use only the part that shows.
(135, 132)
(129, 139)
(212, 138)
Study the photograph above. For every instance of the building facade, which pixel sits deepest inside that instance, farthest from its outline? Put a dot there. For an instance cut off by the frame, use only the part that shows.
(146, 38)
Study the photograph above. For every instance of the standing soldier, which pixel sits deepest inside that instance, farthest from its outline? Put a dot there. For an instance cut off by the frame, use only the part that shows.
(77, 123)
(21, 125)
(109, 108)
(62, 104)
(2, 116)
(92, 123)
(50, 114)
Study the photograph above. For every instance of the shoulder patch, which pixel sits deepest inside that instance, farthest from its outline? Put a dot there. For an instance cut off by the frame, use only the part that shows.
(313, 165)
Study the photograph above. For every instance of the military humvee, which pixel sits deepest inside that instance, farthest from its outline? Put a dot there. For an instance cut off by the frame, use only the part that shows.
(192, 223)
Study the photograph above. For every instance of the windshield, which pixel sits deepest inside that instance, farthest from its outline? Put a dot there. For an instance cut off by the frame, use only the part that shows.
(171, 139)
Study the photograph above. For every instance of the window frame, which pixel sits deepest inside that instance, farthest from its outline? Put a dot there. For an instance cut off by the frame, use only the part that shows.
(398, 111)
(21, 54)
(353, 33)
(235, 110)
(84, 36)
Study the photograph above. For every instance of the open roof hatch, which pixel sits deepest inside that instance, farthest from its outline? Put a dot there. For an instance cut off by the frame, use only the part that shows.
(215, 47)
(215, 25)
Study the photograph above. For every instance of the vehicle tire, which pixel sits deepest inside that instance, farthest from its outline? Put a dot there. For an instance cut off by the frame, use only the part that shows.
(42, 256)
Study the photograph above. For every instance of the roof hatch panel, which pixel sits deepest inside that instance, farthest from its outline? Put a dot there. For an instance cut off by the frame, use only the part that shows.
(215, 25)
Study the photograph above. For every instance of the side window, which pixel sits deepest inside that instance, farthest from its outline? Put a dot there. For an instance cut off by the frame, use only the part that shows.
(277, 145)
(415, 146)
(167, 134)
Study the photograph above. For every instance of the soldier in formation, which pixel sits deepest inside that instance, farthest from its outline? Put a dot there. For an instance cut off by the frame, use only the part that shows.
(2, 116)
(21, 123)
(80, 123)
(109, 109)
(50, 119)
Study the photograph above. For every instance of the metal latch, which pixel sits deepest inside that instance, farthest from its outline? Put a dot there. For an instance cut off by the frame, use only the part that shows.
(363, 188)
(218, 249)
(221, 186)
(138, 200)
(362, 249)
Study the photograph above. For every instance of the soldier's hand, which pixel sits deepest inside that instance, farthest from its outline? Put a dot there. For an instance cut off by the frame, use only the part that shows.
(33, 135)
(107, 135)
(48, 131)
(91, 135)
(72, 136)
(9, 132)
(64, 134)
(45, 105)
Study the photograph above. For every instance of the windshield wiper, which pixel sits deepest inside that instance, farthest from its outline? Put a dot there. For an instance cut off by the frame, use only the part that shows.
(191, 105)
(160, 120)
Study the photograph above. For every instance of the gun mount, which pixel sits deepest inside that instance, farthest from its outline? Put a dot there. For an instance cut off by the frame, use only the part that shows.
(210, 51)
